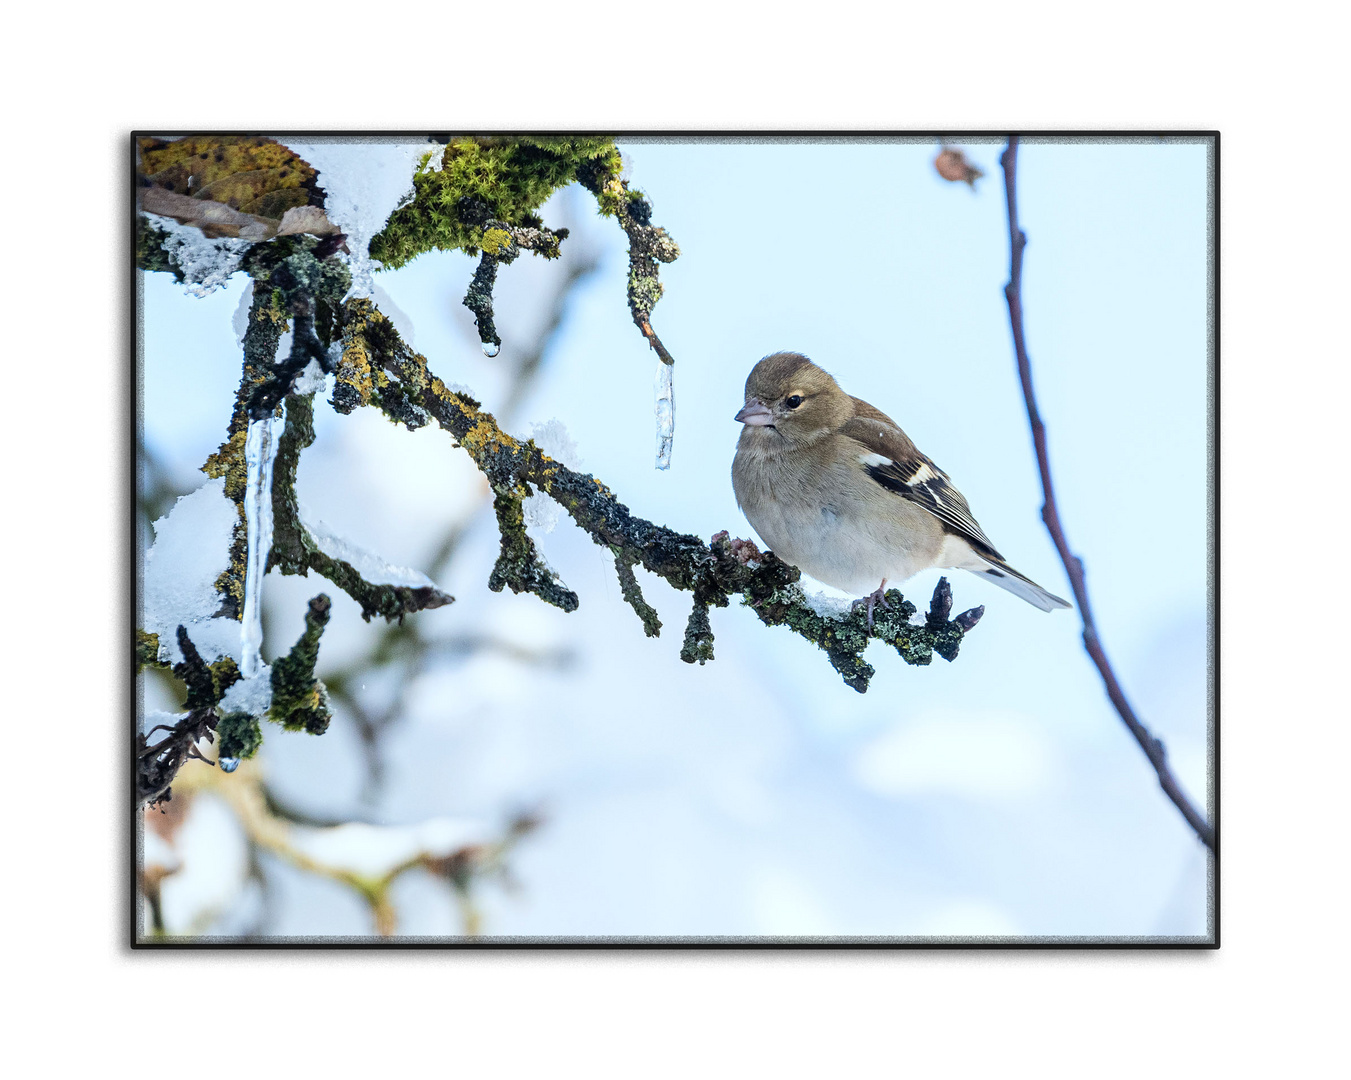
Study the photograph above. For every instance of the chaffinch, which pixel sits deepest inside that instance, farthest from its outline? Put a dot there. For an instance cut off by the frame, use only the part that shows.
(835, 488)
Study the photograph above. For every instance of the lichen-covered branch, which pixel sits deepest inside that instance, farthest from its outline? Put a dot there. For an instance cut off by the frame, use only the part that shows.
(479, 299)
(633, 595)
(299, 702)
(389, 371)
(1074, 566)
(519, 565)
(648, 243)
(295, 551)
(501, 244)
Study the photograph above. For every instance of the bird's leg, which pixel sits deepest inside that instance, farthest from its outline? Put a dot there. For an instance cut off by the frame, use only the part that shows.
(872, 600)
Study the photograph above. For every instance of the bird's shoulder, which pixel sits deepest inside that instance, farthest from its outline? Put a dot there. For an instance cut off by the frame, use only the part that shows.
(890, 457)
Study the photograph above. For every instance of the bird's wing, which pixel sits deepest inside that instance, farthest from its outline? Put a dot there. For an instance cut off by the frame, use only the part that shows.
(890, 458)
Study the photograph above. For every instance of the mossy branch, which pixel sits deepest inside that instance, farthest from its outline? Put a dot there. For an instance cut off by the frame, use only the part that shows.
(712, 572)
(294, 549)
(648, 244)
(633, 595)
(519, 565)
(299, 700)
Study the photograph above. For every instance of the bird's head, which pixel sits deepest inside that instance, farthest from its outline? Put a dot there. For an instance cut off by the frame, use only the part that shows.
(789, 397)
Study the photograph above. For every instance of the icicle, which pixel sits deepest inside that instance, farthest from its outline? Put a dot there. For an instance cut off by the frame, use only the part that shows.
(665, 414)
(260, 449)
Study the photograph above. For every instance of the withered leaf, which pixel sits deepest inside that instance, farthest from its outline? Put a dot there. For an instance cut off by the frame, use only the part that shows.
(306, 219)
(213, 218)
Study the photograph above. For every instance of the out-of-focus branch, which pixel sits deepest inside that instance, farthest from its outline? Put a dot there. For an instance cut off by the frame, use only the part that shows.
(280, 834)
(1074, 566)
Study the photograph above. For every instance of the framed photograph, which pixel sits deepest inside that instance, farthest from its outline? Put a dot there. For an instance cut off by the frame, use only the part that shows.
(677, 540)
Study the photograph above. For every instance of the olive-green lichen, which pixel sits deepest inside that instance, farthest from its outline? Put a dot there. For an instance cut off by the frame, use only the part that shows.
(482, 184)
(375, 368)
(299, 700)
(712, 572)
(648, 243)
(206, 683)
(268, 320)
(239, 735)
(147, 651)
(484, 198)
(307, 284)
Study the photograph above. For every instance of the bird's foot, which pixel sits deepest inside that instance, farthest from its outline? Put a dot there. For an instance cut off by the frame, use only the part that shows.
(872, 600)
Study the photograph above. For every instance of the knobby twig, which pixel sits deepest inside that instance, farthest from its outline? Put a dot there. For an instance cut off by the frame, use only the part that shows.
(158, 763)
(1074, 566)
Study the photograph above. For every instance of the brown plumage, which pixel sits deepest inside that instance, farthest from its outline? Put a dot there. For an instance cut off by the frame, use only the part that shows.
(835, 487)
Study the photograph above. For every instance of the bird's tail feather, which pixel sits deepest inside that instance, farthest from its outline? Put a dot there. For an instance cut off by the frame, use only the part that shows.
(1022, 586)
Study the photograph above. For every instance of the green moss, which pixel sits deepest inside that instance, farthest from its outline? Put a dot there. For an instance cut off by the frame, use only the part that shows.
(299, 700)
(239, 735)
(483, 180)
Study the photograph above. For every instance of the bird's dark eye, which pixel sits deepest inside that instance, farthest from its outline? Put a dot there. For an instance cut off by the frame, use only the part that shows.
(794, 401)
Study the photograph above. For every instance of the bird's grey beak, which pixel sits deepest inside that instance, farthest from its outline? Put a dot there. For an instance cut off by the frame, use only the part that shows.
(755, 414)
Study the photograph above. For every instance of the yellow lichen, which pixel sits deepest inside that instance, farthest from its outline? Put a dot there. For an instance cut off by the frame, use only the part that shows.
(494, 240)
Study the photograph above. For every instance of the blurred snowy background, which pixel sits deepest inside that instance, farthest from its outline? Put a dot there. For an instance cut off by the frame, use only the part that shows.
(756, 795)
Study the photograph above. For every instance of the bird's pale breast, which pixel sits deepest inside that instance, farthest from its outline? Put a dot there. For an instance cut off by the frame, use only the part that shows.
(833, 521)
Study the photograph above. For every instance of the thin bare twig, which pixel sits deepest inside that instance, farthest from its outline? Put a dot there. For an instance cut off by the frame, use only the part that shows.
(1074, 566)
